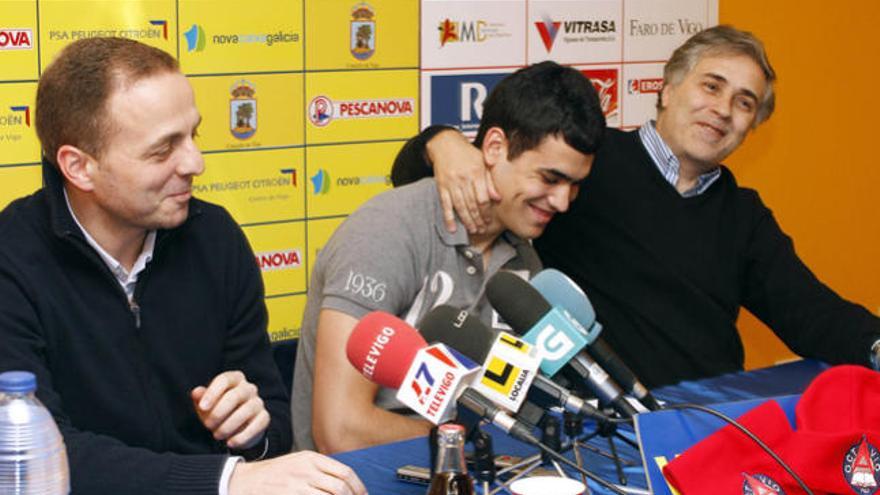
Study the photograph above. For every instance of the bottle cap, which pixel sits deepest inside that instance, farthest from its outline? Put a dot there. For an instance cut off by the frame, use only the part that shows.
(18, 381)
(451, 428)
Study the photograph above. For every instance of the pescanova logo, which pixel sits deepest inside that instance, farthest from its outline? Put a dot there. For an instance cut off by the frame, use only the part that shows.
(323, 110)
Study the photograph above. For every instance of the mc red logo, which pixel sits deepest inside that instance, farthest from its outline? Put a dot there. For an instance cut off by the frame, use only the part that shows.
(16, 39)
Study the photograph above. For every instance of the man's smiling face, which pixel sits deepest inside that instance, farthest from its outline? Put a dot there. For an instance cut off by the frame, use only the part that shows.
(707, 114)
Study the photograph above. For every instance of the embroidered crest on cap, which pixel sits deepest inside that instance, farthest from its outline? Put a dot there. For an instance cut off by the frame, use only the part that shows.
(860, 467)
(760, 484)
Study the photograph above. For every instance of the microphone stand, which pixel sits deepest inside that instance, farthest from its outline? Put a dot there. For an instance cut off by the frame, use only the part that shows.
(484, 459)
(607, 430)
(551, 436)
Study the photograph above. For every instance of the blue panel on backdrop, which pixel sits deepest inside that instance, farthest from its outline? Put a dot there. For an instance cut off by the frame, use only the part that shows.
(457, 100)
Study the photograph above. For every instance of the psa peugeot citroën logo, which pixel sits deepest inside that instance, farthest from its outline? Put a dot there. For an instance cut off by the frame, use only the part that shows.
(21, 115)
(195, 38)
(164, 24)
(243, 110)
(363, 31)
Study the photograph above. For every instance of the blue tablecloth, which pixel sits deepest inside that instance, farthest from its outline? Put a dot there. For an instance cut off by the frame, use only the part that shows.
(376, 466)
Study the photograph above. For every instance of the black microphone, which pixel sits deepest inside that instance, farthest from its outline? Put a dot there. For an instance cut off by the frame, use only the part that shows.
(559, 336)
(463, 332)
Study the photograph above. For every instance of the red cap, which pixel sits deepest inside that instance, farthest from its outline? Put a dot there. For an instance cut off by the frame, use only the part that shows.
(841, 399)
(382, 346)
(729, 462)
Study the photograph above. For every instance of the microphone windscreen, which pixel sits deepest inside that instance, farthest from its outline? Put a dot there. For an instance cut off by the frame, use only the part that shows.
(562, 292)
(459, 330)
(516, 301)
(382, 346)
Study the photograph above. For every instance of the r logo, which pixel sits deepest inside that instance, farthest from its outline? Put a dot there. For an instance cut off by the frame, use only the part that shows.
(472, 96)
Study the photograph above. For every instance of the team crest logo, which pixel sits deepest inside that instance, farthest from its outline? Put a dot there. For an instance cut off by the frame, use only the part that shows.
(760, 484)
(363, 31)
(860, 467)
(243, 110)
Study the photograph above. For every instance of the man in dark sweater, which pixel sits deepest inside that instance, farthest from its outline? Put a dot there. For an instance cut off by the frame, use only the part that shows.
(139, 308)
(663, 240)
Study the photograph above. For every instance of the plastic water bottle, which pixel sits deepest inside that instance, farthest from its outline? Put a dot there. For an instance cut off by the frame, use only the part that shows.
(33, 459)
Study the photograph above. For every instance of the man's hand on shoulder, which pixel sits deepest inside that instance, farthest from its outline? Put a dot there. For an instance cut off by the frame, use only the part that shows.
(464, 182)
(231, 409)
(299, 473)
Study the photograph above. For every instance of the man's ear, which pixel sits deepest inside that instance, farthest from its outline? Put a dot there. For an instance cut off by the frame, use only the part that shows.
(494, 147)
(76, 166)
(664, 94)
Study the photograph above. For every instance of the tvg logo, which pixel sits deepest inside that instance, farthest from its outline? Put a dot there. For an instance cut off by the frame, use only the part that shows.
(553, 343)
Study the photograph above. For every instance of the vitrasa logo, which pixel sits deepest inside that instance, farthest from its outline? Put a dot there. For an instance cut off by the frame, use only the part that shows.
(575, 31)
(286, 259)
(16, 39)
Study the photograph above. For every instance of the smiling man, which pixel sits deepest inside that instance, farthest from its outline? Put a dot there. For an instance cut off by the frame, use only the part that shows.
(665, 243)
(540, 128)
(139, 308)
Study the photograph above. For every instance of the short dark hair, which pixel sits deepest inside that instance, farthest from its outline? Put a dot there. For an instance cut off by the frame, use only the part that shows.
(544, 99)
(73, 91)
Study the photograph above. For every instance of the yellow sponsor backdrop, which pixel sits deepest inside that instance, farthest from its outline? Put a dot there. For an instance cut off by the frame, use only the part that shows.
(18, 140)
(319, 233)
(394, 25)
(230, 36)
(251, 66)
(20, 63)
(147, 21)
(276, 116)
(16, 182)
(347, 175)
(279, 250)
(285, 316)
(255, 186)
(368, 89)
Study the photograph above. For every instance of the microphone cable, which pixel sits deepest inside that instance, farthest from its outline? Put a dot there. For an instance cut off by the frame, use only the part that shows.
(749, 434)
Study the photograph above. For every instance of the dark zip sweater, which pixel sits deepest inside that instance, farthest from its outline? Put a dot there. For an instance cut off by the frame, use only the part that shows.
(116, 376)
(667, 275)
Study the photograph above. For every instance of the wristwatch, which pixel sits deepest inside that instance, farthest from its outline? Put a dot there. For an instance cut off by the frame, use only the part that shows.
(875, 355)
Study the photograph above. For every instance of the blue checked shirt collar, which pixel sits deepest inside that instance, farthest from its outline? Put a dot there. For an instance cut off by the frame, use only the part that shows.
(668, 164)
